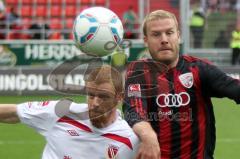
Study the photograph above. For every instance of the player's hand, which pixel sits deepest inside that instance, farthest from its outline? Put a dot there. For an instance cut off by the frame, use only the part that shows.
(149, 149)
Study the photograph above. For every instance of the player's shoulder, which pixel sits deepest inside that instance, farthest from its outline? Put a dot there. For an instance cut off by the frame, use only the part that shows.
(196, 60)
(39, 104)
(122, 128)
(139, 63)
(37, 111)
(123, 133)
(78, 107)
(139, 67)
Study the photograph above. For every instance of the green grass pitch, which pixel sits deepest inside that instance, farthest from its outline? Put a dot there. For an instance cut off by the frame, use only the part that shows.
(21, 142)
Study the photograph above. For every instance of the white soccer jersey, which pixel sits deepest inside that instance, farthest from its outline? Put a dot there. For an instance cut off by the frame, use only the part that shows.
(68, 137)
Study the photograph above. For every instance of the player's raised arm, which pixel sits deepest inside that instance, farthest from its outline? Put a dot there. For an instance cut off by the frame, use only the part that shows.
(149, 148)
(8, 113)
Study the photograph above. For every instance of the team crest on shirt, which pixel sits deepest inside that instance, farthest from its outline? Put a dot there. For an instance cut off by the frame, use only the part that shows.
(186, 79)
(134, 90)
(112, 152)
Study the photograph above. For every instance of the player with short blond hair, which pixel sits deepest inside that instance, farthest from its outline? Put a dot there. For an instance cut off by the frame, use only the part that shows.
(168, 96)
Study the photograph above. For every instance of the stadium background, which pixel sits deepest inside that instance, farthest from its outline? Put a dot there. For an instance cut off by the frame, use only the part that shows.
(26, 63)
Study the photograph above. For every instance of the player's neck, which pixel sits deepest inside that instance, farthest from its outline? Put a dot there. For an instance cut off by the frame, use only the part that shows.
(173, 64)
(111, 119)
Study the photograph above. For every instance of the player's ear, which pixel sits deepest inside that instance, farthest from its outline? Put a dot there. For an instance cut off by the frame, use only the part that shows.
(145, 40)
(120, 96)
(179, 36)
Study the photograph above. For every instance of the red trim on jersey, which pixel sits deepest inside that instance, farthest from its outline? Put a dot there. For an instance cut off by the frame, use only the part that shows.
(73, 122)
(121, 139)
(45, 103)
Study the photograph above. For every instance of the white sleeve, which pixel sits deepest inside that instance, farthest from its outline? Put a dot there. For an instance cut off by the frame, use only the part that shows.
(38, 115)
(127, 153)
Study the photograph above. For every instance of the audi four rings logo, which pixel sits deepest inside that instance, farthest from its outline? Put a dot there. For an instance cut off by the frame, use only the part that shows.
(173, 100)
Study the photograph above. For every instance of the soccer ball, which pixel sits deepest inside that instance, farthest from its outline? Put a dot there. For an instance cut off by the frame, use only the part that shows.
(97, 31)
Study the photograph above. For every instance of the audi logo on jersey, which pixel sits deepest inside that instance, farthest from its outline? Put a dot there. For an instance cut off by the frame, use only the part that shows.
(173, 100)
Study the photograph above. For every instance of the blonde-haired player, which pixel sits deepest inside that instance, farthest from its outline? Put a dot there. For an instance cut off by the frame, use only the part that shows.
(81, 131)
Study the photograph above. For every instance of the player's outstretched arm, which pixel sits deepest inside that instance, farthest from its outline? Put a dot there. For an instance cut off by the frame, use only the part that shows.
(8, 113)
(149, 147)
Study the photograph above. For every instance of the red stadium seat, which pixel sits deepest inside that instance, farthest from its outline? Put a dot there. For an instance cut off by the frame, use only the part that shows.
(14, 36)
(41, 2)
(27, 1)
(26, 11)
(8, 8)
(15, 33)
(59, 2)
(70, 36)
(71, 2)
(25, 36)
(55, 24)
(55, 36)
(84, 7)
(56, 11)
(100, 2)
(41, 11)
(86, 1)
(11, 2)
(26, 22)
(71, 11)
(69, 23)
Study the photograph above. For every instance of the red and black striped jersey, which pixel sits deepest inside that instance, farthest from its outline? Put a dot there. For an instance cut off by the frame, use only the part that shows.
(177, 103)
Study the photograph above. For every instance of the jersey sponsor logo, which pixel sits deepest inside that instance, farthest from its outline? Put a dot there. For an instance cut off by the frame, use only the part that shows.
(163, 113)
(173, 100)
(112, 152)
(134, 90)
(73, 132)
(186, 79)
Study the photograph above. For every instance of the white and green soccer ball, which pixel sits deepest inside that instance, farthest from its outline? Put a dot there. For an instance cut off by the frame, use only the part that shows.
(97, 31)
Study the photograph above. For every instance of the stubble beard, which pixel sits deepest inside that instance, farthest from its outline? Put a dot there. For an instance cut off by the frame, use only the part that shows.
(100, 120)
(167, 61)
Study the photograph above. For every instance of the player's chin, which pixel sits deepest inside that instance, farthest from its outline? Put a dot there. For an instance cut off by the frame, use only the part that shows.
(165, 59)
(94, 119)
(97, 122)
(95, 115)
